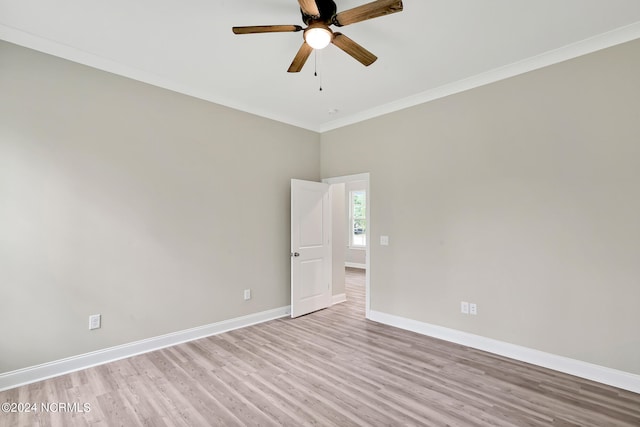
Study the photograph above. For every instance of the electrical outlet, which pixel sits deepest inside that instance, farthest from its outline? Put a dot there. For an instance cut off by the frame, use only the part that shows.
(464, 307)
(94, 321)
(247, 294)
(473, 308)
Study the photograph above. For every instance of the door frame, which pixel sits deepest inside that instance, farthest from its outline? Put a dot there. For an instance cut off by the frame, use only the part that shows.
(361, 177)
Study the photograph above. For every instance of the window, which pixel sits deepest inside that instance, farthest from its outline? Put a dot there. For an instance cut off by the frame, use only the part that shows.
(358, 219)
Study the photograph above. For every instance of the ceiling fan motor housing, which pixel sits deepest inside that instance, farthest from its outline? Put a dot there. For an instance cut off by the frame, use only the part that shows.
(327, 8)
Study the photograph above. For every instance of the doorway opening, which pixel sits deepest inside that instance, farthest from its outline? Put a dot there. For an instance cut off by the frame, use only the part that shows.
(351, 224)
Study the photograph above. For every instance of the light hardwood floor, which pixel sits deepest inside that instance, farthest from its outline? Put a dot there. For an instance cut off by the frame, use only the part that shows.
(329, 368)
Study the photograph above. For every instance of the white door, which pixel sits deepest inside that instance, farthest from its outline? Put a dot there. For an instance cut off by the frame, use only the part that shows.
(310, 247)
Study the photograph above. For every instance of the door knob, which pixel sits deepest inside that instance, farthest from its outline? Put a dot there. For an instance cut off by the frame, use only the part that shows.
(295, 254)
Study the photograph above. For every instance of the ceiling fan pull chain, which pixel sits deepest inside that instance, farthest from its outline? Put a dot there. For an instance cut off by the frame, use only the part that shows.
(315, 67)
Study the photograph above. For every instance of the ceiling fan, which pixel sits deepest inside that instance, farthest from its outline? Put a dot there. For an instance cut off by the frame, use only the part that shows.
(318, 15)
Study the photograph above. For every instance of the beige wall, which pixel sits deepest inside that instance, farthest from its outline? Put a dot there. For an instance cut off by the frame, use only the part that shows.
(152, 208)
(522, 196)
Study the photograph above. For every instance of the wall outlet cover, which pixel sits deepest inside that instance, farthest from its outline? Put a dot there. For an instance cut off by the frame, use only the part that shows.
(473, 309)
(464, 307)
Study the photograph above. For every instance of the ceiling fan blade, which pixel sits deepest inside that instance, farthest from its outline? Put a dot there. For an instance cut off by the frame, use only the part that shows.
(309, 7)
(359, 53)
(367, 11)
(301, 58)
(267, 29)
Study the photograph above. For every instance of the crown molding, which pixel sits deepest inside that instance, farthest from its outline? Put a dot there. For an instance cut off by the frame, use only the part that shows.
(574, 50)
(41, 44)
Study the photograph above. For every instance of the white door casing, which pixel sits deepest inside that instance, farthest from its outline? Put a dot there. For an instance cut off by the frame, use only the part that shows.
(310, 247)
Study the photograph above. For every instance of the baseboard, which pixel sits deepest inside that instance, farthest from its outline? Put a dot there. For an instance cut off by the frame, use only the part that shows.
(337, 299)
(56, 368)
(355, 265)
(601, 374)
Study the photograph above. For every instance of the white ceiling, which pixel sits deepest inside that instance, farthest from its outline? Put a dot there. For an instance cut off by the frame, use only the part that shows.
(431, 49)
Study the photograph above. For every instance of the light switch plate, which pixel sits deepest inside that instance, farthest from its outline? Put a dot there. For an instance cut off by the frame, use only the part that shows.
(384, 240)
(94, 321)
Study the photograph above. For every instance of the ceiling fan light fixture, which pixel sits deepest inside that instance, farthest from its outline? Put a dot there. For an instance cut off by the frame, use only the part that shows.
(318, 37)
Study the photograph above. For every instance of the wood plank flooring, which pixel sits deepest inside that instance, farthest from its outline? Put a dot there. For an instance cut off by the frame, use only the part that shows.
(329, 368)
